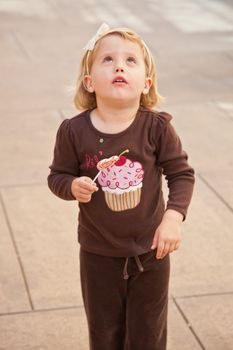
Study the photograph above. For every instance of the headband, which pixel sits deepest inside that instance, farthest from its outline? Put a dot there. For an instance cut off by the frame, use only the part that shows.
(91, 43)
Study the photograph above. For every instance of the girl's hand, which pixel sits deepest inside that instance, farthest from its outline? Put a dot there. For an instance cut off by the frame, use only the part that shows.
(168, 235)
(82, 189)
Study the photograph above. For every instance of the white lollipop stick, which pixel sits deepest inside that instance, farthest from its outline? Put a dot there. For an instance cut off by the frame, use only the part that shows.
(95, 178)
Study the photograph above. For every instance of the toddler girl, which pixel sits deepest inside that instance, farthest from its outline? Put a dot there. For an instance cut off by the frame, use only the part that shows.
(111, 158)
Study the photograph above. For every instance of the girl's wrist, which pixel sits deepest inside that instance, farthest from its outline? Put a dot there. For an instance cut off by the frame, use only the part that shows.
(174, 215)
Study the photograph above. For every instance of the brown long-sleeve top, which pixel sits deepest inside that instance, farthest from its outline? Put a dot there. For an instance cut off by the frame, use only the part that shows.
(121, 218)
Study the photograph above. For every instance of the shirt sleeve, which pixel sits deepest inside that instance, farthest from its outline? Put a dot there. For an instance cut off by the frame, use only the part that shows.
(174, 163)
(65, 167)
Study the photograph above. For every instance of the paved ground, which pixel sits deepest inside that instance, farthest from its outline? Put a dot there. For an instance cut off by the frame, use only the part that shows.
(40, 299)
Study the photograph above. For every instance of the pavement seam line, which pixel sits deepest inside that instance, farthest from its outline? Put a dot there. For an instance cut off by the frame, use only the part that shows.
(203, 295)
(63, 308)
(16, 251)
(201, 177)
(20, 46)
(188, 323)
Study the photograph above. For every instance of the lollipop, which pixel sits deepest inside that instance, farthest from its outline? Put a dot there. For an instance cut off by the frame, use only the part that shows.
(107, 162)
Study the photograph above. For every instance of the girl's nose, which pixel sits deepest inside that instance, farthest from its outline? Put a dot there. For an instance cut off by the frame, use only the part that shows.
(119, 69)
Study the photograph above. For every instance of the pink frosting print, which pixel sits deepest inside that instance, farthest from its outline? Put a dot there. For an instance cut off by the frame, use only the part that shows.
(123, 174)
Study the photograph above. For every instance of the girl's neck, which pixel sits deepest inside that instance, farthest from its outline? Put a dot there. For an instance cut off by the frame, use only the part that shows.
(113, 120)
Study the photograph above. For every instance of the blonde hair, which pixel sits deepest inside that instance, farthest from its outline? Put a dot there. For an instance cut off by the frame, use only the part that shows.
(85, 100)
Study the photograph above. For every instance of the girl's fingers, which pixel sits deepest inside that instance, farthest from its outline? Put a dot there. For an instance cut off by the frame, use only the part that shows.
(177, 245)
(172, 248)
(82, 191)
(166, 249)
(86, 187)
(160, 249)
(84, 198)
(155, 242)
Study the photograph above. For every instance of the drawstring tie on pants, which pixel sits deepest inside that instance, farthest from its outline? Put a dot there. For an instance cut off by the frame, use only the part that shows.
(139, 265)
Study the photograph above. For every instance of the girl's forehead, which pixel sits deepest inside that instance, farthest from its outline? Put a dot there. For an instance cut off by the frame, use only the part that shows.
(115, 43)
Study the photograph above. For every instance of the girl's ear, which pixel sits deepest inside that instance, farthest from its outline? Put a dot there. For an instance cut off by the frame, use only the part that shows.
(148, 83)
(87, 83)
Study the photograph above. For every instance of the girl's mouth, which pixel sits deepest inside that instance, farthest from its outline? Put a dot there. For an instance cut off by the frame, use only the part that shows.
(119, 80)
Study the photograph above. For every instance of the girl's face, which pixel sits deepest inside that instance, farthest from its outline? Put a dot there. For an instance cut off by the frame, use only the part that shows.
(118, 73)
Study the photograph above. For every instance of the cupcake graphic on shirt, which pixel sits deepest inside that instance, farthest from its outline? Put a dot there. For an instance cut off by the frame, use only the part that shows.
(122, 183)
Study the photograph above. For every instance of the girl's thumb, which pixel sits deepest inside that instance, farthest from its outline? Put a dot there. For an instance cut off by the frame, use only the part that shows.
(155, 242)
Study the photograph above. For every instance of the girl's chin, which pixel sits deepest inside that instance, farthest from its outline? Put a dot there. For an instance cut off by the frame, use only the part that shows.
(124, 103)
(124, 97)
(120, 99)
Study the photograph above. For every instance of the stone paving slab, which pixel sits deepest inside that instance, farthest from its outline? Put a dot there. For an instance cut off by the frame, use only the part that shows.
(193, 17)
(27, 139)
(205, 65)
(13, 295)
(10, 52)
(45, 330)
(211, 129)
(43, 43)
(193, 62)
(220, 181)
(22, 10)
(44, 229)
(211, 317)
(206, 134)
(186, 87)
(204, 263)
(226, 107)
(179, 335)
(67, 330)
(43, 88)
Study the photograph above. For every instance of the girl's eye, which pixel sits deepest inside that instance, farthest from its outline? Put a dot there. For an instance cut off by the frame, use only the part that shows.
(107, 59)
(131, 59)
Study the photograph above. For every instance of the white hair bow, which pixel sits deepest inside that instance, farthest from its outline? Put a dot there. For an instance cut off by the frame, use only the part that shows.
(91, 43)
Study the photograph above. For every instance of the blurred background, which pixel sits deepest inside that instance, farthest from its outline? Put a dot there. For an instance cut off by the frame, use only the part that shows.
(40, 48)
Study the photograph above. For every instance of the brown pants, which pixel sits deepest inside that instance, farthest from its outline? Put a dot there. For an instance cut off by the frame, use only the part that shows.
(126, 307)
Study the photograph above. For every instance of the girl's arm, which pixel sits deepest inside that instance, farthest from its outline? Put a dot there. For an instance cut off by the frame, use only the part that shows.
(178, 173)
(65, 168)
(180, 179)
